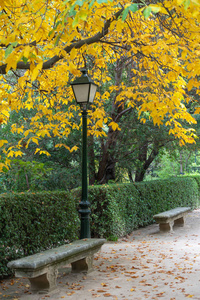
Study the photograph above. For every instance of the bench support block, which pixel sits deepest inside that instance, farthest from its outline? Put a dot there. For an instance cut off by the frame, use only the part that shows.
(83, 265)
(42, 268)
(179, 222)
(166, 226)
(45, 282)
(170, 218)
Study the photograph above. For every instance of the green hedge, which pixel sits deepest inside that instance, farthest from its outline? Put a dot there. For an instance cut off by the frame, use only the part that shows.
(196, 177)
(161, 195)
(113, 210)
(32, 222)
(118, 209)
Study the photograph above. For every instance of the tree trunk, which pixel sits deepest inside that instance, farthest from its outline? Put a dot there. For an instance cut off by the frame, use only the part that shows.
(130, 176)
(144, 162)
(107, 163)
(181, 164)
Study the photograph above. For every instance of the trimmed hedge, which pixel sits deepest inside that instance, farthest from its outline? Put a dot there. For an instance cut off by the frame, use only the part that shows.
(118, 209)
(113, 210)
(160, 195)
(196, 177)
(32, 222)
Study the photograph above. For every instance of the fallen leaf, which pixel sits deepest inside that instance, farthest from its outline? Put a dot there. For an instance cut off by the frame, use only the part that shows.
(104, 284)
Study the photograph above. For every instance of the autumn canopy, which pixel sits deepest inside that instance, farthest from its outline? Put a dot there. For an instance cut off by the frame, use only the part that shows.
(44, 44)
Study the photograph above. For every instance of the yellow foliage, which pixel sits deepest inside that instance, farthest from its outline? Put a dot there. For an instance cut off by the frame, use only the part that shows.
(114, 126)
(2, 142)
(49, 41)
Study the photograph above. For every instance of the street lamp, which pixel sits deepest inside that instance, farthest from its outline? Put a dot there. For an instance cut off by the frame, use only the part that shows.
(84, 90)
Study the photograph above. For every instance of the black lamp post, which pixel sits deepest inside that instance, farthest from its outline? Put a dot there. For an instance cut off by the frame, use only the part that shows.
(84, 90)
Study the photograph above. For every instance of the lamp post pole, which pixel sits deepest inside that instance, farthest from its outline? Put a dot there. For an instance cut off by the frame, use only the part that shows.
(84, 90)
(84, 204)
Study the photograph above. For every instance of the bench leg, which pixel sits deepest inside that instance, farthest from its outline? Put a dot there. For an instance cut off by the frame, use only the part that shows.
(166, 226)
(44, 283)
(83, 265)
(179, 222)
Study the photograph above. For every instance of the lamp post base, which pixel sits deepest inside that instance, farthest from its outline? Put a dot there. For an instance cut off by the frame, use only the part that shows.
(85, 223)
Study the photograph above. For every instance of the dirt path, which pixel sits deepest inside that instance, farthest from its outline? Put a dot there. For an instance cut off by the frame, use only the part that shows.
(146, 265)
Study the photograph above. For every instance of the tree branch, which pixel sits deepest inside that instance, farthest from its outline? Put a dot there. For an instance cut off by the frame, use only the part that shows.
(77, 45)
(122, 113)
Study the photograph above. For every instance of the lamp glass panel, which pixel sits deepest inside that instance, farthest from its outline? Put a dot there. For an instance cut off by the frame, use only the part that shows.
(81, 92)
(93, 89)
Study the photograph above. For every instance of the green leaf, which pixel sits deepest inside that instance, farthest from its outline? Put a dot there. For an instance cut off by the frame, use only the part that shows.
(125, 13)
(186, 4)
(102, 1)
(59, 22)
(25, 59)
(147, 12)
(133, 7)
(92, 2)
(8, 51)
(79, 2)
(14, 44)
(75, 22)
(57, 41)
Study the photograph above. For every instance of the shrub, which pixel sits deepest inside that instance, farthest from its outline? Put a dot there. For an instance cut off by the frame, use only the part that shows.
(118, 209)
(32, 222)
(197, 178)
(112, 209)
(161, 195)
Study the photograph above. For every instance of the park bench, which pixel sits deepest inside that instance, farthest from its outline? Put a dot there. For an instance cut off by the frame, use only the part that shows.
(42, 268)
(170, 218)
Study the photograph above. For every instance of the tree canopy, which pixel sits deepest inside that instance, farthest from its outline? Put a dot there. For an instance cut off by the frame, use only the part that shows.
(44, 44)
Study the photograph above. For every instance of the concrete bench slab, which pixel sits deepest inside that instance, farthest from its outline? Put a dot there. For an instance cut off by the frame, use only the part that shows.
(170, 218)
(42, 268)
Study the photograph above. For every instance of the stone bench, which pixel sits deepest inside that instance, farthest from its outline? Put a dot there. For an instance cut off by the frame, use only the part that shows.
(169, 218)
(42, 268)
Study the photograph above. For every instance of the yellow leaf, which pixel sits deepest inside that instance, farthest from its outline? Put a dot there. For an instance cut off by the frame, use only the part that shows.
(34, 140)
(37, 150)
(114, 126)
(18, 153)
(27, 51)
(2, 165)
(2, 4)
(2, 142)
(83, 15)
(45, 152)
(155, 8)
(36, 71)
(197, 111)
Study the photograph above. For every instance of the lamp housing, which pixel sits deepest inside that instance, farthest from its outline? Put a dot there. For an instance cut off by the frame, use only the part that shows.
(84, 88)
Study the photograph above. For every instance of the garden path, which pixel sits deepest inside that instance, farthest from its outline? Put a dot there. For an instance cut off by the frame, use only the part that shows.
(147, 264)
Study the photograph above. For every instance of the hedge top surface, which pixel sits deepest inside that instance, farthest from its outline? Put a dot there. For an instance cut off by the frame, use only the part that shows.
(55, 255)
(171, 213)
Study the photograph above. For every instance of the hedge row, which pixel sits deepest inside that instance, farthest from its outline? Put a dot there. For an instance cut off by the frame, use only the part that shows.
(30, 223)
(118, 209)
